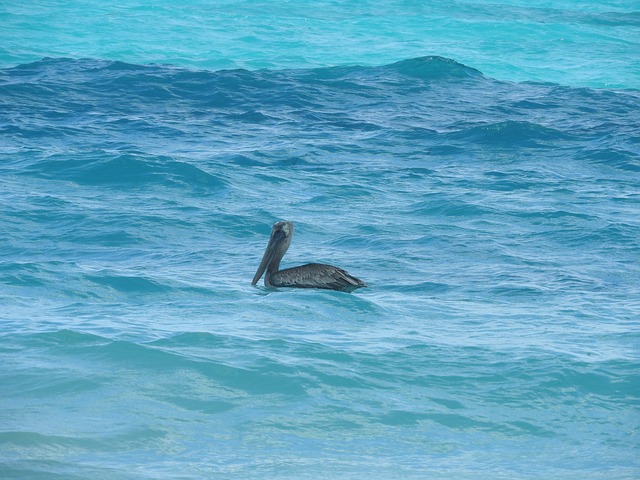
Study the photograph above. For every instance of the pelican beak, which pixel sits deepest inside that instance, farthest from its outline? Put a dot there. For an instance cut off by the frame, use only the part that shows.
(274, 243)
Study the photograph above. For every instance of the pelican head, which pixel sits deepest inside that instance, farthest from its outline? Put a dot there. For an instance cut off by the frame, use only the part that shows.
(279, 242)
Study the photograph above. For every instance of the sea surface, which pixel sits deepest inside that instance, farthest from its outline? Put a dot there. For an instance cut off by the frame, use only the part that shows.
(477, 163)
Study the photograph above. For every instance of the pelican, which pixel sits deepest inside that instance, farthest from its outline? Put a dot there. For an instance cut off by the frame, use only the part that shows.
(312, 275)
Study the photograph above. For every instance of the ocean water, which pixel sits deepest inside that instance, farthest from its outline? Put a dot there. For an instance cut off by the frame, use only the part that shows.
(476, 163)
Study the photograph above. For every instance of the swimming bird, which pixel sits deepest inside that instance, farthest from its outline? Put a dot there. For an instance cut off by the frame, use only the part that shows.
(312, 275)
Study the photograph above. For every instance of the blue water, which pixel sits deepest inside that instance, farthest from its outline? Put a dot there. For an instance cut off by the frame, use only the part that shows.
(476, 163)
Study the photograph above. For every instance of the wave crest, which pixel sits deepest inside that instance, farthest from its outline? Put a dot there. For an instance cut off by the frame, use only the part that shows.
(434, 68)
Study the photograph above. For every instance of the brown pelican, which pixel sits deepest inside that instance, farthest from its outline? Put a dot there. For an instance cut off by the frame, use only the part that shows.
(312, 275)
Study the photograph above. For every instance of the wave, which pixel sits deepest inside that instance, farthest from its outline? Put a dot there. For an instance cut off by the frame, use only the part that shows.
(503, 133)
(101, 168)
(55, 87)
(49, 68)
(264, 366)
(251, 118)
(613, 157)
(434, 68)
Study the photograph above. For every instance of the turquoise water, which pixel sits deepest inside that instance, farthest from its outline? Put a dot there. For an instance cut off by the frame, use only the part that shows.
(587, 43)
(476, 163)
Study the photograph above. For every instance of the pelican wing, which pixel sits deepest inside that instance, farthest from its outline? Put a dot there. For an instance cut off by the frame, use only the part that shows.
(316, 275)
